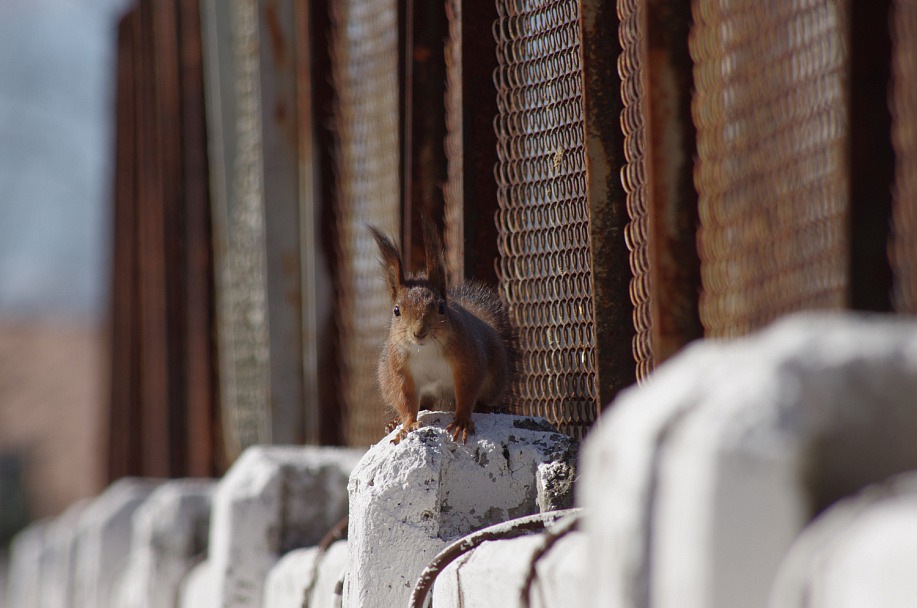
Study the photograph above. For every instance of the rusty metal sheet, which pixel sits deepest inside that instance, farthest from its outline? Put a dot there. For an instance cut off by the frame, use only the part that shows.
(771, 110)
(364, 36)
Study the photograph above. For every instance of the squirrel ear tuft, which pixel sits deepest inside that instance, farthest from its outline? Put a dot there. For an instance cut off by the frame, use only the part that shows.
(433, 250)
(391, 262)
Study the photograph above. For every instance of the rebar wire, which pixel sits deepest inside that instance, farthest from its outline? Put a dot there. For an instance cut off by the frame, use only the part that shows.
(338, 532)
(509, 529)
(551, 536)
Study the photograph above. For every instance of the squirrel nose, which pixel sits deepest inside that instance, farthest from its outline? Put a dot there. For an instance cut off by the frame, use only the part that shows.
(420, 334)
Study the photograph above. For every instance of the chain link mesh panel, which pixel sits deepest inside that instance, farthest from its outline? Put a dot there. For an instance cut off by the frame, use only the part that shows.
(543, 218)
(365, 74)
(771, 116)
(904, 112)
(633, 176)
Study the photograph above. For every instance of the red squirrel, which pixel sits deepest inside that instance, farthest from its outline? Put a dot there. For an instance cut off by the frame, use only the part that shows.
(444, 346)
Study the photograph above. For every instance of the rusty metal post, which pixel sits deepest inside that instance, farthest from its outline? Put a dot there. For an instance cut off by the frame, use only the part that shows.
(471, 149)
(198, 347)
(281, 200)
(424, 120)
(123, 452)
(604, 141)
(155, 332)
(660, 145)
(871, 156)
(904, 111)
(670, 140)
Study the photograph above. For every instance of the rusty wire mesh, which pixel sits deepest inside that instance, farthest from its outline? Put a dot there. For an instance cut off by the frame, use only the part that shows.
(633, 176)
(904, 133)
(543, 218)
(365, 76)
(771, 115)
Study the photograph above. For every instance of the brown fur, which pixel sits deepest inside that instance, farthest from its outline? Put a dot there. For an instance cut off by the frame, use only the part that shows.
(462, 335)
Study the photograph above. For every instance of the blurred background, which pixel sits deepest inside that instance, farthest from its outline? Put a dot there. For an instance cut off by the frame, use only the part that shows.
(57, 89)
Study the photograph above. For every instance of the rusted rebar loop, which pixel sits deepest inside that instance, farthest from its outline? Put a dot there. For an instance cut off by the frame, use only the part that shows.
(509, 529)
(338, 532)
(554, 534)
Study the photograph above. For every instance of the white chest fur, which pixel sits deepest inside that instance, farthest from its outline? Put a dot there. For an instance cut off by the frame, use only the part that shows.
(431, 372)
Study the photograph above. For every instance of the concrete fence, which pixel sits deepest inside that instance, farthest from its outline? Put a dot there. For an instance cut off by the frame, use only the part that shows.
(774, 471)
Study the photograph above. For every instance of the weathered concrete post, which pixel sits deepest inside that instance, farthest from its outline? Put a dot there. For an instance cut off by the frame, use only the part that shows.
(407, 501)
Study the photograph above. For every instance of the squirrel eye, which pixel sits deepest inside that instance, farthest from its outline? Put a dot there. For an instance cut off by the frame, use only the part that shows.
(397, 311)
(442, 308)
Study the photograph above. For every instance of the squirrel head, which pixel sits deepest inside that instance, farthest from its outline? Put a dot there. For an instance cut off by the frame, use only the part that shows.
(420, 310)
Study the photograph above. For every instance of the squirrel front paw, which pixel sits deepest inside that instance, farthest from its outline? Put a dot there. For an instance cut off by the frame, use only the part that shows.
(461, 426)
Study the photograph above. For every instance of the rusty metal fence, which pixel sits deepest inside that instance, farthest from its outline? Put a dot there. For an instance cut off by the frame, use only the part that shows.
(726, 124)
(771, 111)
(545, 262)
(633, 175)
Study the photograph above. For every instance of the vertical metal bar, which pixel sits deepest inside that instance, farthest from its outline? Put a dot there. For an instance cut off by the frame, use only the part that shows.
(470, 195)
(424, 127)
(904, 118)
(611, 276)
(169, 125)
(871, 156)
(322, 141)
(198, 312)
(670, 144)
(281, 189)
(479, 140)
(154, 396)
(123, 456)
(316, 279)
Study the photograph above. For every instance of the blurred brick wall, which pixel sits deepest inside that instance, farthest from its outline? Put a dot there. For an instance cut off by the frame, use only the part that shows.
(51, 399)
